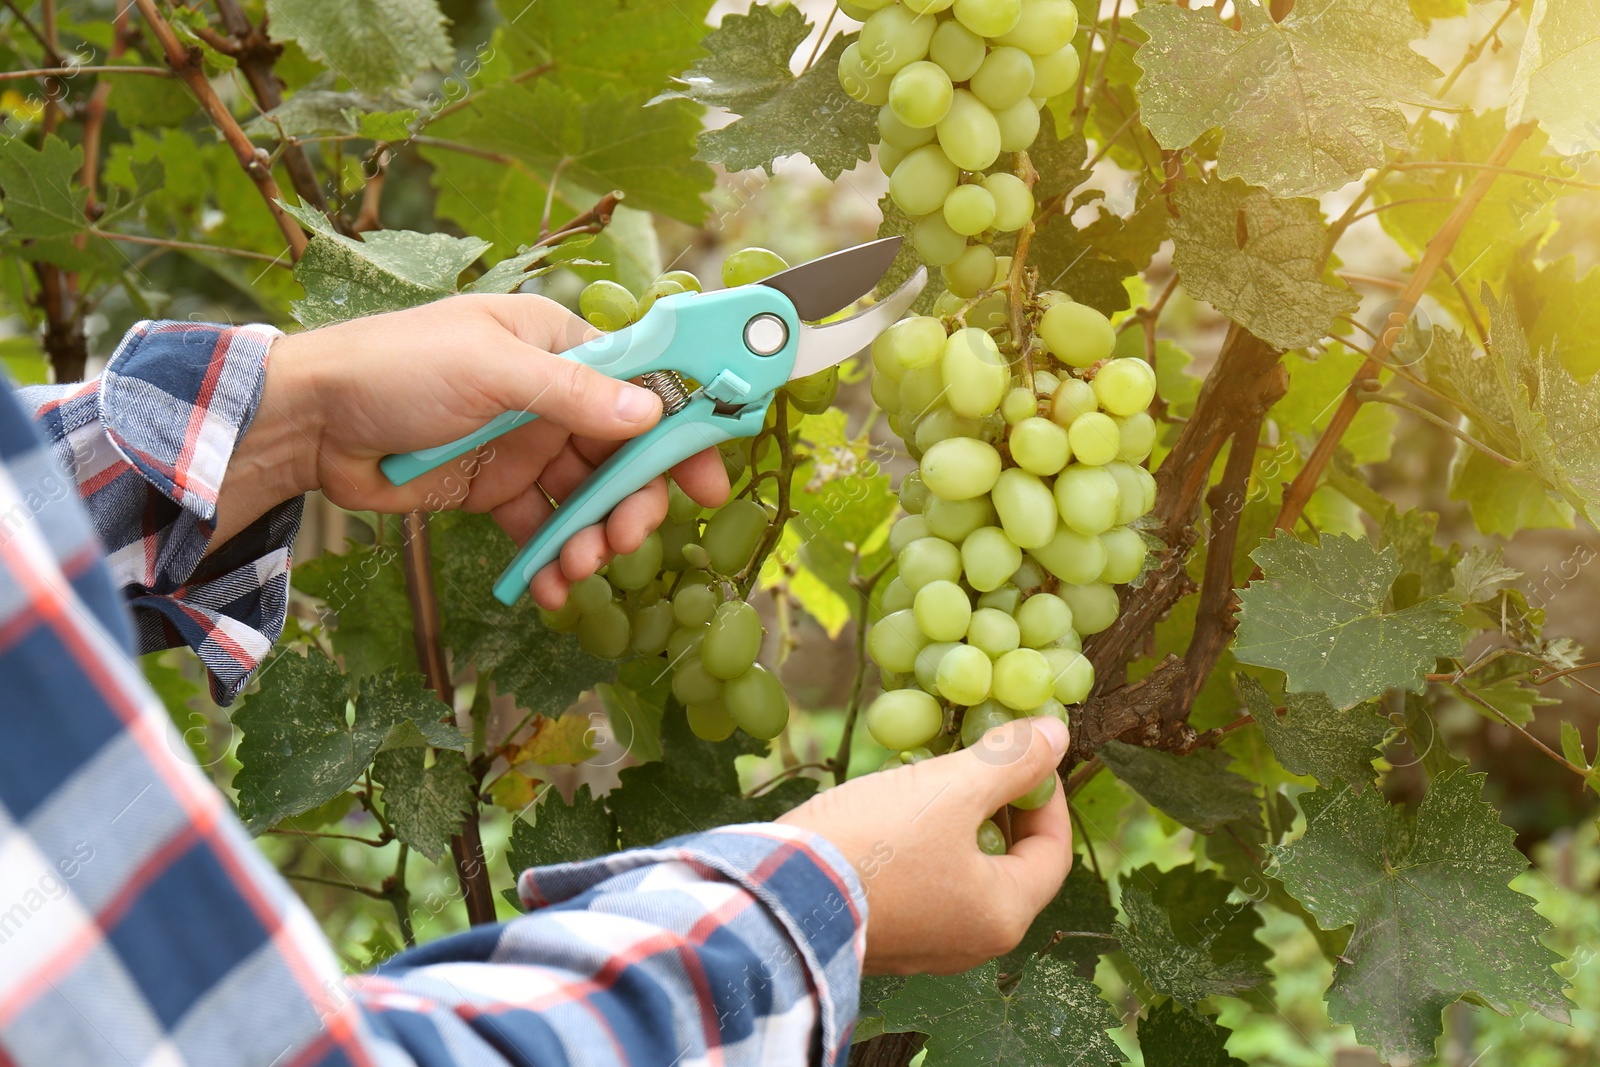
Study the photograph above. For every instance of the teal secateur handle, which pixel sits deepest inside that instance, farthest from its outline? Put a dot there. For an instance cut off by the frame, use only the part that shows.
(699, 335)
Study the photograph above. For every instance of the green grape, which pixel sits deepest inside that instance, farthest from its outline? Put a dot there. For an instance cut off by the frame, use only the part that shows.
(1125, 386)
(947, 304)
(980, 719)
(968, 133)
(906, 530)
(936, 241)
(657, 291)
(915, 342)
(1027, 510)
(896, 597)
(1043, 619)
(1038, 796)
(694, 605)
(1022, 679)
(636, 569)
(732, 534)
(1055, 72)
(973, 271)
(607, 305)
(953, 520)
(1019, 125)
(652, 628)
(894, 641)
(813, 394)
(1049, 298)
(894, 38)
(1055, 709)
(1094, 438)
(733, 642)
(1071, 641)
(892, 131)
(991, 842)
(942, 610)
(989, 18)
(1029, 574)
(1130, 492)
(757, 703)
(564, 619)
(1072, 556)
(861, 10)
(1125, 551)
(1094, 606)
(1013, 201)
(1006, 598)
(709, 722)
(696, 556)
(681, 507)
(1136, 436)
(923, 179)
(912, 494)
(960, 468)
(1073, 674)
(693, 684)
(1042, 26)
(1072, 399)
(975, 373)
(1077, 334)
(926, 668)
(1045, 383)
(889, 156)
(989, 557)
(920, 94)
(904, 718)
(942, 423)
(969, 209)
(684, 644)
(1005, 77)
(591, 593)
(883, 367)
(751, 265)
(1087, 499)
(957, 49)
(690, 283)
(922, 389)
(964, 674)
(927, 7)
(1039, 446)
(928, 560)
(1020, 405)
(993, 632)
(604, 632)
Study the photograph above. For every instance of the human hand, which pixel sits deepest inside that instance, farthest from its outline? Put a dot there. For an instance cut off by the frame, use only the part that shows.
(340, 398)
(936, 902)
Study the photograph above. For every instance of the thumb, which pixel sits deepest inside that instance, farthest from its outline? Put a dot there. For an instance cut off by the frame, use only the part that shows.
(1009, 760)
(579, 398)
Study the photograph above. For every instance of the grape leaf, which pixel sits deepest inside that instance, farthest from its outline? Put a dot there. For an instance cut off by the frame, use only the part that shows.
(1316, 385)
(1313, 737)
(906, 261)
(1257, 260)
(1171, 1035)
(1557, 81)
(364, 595)
(629, 44)
(424, 803)
(1411, 533)
(1081, 905)
(1317, 615)
(326, 111)
(1198, 789)
(1434, 917)
(1502, 500)
(1180, 970)
(1203, 913)
(1051, 1017)
(1438, 9)
(608, 141)
(1305, 105)
(399, 706)
(1067, 260)
(559, 741)
(1562, 310)
(42, 196)
(1134, 238)
(373, 44)
(694, 787)
(1059, 161)
(564, 833)
(779, 114)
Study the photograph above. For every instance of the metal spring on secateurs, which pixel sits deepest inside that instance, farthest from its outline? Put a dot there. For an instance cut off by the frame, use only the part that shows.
(669, 387)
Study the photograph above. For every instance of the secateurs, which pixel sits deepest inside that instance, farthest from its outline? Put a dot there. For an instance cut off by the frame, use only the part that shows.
(716, 360)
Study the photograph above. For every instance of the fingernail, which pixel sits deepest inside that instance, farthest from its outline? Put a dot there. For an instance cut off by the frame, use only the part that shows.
(635, 404)
(1055, 733)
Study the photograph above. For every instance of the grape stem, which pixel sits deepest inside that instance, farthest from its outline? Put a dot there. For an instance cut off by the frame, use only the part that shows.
(1582, 772)
(1443, 424)
(1020, 292)
(839, 765)
(786, 463)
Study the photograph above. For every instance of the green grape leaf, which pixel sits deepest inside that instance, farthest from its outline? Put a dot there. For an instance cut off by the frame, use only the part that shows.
(635, 705)
(1317, 614)
(389, 270)
(400, 707)
(1203, 913)
(1257, 260)
(1438, 9)
(564, 833)
(1058, 160)
(627, 44)
(546, 670)
(1050, 1017)
(1557, 81)
(146, 102)
(1480, 575)
(1427, 741)
(1316, 385)
(779, 114)
(1081, 906)
(1198, 789)
(373, 44)
(1305, 105)
(508, 275)
(694, 787)
(1136, 238)
(1562, 309)
(1066, 260)
(897, 224)
(1434, 917)
(1172, 966)
(43, 199)
(1313, 737)
(1504, 501)
(1572, 745)
(425, 803)
(1171, 1035)
(1411, 533)
(610, 140)
(363, 594)
(325, 111)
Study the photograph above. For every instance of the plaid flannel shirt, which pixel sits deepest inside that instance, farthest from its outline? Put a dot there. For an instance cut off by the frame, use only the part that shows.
(138, 922)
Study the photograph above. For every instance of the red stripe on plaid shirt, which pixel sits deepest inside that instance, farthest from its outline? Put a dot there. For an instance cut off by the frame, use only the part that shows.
(197, 414)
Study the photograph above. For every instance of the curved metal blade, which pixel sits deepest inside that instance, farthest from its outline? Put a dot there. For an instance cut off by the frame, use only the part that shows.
(821, 287)
(822, 347)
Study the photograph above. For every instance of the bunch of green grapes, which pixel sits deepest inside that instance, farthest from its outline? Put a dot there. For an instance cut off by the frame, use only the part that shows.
(676, 597)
